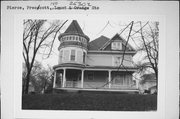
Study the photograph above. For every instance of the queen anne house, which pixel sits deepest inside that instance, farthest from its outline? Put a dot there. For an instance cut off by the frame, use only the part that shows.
(93, 65)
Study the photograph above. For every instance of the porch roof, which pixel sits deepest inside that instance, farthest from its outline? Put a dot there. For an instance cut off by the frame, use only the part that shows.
(88, 67)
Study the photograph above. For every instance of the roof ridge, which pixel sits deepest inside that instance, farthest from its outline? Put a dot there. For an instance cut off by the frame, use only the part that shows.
(100, 37)
(97, 43)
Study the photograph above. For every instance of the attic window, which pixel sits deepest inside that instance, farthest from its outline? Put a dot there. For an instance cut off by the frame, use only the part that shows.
(116, 46)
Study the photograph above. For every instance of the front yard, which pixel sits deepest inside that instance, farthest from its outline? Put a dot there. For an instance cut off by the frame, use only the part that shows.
(90, 101)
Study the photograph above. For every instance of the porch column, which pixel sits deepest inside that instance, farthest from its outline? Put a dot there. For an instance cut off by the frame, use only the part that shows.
(64, 78)
(54, 83)
(109, 79)
(82, 78)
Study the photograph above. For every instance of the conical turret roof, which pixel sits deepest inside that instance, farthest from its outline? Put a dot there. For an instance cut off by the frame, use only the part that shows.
(74, 28)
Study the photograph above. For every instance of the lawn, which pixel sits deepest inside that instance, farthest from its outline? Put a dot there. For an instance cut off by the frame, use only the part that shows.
(90, 101)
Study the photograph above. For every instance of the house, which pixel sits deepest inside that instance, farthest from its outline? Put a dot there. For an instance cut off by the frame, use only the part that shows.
(93, 65)
(148, 83)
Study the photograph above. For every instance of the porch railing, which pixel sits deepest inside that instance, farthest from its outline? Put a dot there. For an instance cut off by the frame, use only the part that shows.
(73, 84)
(97, 85)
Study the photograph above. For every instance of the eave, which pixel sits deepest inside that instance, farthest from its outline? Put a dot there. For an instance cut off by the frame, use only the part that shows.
(95, 68)
(111, 52)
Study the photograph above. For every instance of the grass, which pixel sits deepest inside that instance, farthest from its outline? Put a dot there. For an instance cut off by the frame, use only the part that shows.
(90, 101)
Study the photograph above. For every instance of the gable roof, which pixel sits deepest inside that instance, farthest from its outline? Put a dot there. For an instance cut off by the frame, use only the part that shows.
(74, 28)
(117, 37)
(98, 43)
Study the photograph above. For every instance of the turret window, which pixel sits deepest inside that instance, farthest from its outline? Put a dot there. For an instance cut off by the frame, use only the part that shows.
(61, 55)
(72, 58)
(76, 38)
(65, 38)
(81, 40)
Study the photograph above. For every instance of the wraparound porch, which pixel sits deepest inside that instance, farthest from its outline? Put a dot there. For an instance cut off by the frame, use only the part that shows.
(90, 78)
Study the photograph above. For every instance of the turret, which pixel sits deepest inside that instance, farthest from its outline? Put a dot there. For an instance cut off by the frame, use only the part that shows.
(73, 45)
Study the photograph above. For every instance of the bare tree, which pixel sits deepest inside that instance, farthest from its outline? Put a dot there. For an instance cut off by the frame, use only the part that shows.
(150, 45)
(40, 77)
(37, 34)
(144, 35)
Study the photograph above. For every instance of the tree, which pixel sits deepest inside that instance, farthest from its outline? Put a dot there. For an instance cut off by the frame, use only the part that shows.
(40, 77)
(38, 34)
(145, 37)
(150, 45)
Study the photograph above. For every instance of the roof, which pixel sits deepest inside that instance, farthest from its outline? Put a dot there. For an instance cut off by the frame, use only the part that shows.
(98, 43)
(74, 28)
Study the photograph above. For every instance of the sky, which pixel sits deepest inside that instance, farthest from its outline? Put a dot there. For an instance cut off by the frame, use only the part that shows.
(93, 28)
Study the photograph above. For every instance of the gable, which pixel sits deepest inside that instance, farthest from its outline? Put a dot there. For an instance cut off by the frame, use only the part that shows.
(117, 39)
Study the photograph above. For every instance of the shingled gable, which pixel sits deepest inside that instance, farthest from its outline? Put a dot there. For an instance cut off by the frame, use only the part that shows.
(98, 43)
(74, 28)
(116, 37)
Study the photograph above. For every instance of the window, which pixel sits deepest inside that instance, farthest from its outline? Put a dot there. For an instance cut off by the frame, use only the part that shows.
(64, 39)
(117, 61)
(116, 46)
(66, 55)
(84, 56)
(70, 38)
(119, 79)
(90, 75)
(72, 55)
(61, 55)
(76, 38)
(81, 39)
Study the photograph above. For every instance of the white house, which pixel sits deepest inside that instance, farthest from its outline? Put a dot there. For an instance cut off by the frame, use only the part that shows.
(93, 65)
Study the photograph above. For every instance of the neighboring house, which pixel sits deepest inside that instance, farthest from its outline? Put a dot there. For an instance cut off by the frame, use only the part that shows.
(93, 65)
(148, 82)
